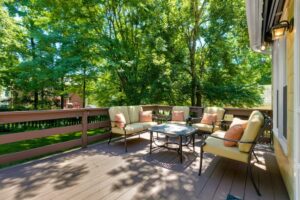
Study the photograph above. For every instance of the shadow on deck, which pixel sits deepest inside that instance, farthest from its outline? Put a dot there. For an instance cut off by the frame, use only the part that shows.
(104, 171)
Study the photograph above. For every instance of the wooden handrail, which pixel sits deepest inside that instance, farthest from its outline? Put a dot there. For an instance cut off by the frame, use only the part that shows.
(35, 116)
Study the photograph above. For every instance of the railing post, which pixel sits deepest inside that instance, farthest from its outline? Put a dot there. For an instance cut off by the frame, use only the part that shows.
(84, 128)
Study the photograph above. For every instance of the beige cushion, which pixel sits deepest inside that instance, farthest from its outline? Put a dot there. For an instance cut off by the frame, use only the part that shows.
(185, 109)
(216, 146)
(134, 113)
(147, 125)
(215, 110)
(118, 109)
(177, 122)
(255, 122)
(205, 127)
(130, 129)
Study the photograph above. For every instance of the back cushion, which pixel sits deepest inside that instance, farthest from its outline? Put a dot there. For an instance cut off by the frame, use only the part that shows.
(185, 109)
(134, 113)
(120, 120)
(145, 116)
(255, 122)
(215, 110)
(209, 118)
(118, 109)
(238, 121)
(178, 116)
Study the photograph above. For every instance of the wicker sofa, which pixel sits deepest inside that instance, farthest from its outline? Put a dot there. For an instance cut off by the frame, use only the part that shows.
(133, 125)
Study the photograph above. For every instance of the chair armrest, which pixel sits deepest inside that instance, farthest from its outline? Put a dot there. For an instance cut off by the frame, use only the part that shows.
(195, 120)
(231, 140)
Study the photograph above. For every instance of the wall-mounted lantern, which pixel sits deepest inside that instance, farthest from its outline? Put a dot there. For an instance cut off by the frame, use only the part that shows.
(280, 29)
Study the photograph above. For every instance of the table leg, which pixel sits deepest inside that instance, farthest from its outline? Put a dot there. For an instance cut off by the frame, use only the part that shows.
(193, 142)
(151, 137)
(167, 140)
(180, 148)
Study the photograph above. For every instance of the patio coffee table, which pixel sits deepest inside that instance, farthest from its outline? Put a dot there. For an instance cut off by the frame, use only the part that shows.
(174, 131)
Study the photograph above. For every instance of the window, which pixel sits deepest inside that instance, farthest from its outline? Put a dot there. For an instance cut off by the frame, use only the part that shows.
(280, 91)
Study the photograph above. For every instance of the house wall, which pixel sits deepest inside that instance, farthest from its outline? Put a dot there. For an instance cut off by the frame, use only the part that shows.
(284, 150)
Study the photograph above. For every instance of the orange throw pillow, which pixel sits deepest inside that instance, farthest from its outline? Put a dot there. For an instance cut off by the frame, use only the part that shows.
(233, 133)
(238, 121)
(209, 119)
(178, 116)
(145, 116)
(120, 120)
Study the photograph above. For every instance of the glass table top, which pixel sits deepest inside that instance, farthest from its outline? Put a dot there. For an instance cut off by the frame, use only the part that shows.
(173, 129)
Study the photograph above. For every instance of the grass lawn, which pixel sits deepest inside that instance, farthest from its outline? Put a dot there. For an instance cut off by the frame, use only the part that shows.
(34, 143)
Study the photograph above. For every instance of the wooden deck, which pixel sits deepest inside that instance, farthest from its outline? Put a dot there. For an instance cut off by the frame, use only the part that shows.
(104, 171)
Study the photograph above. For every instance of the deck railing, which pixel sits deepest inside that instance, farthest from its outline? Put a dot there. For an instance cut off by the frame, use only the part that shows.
(39, 124)
(27, 125)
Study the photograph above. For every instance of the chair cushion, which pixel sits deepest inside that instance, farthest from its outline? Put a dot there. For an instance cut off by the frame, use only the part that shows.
(178, 116)
(130, 129)
(118, 109)
(209, 118)
(238, 121)
(145, 116)
(120, 120)
(216, 146)
(185, 109)
(177, 122)
(234, 133)
(147, 125)
(134, 113)
(255, 122)
(215, 110)
(205, 127)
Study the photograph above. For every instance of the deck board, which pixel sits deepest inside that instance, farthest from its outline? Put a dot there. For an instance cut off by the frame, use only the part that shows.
(104, 171)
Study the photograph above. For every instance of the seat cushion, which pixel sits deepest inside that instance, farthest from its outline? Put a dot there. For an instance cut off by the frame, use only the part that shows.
(134, 113)
(130, 129)
(118, 109)
(177, 122)
(205, 127)
(255, 123)
(147, 125)
(216, 146)
(185, 109)
(215, 110)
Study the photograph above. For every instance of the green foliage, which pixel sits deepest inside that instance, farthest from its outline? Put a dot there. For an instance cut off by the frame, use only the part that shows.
(117, 52)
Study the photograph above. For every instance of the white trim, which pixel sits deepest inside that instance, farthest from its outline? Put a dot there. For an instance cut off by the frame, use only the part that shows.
(297, 99)
(282, 141)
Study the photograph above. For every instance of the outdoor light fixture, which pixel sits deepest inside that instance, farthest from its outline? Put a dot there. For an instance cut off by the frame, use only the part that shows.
(280, 29)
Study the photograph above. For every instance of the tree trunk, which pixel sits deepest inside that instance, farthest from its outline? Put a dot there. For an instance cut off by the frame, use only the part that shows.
(43, 98)
(192, 48)
(84, 87)
(36, 94)
(199, 89)
(194, 80)
(62, 101)
(62, 97)
(36, 99)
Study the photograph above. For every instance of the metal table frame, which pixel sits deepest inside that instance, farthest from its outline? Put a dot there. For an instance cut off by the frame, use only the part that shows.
(190, 137)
